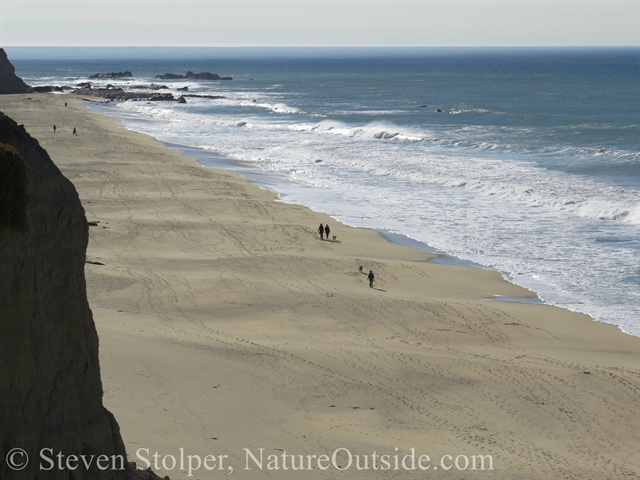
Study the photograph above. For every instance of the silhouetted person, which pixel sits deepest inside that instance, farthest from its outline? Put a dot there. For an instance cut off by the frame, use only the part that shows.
(326, 231)
(371, 278)
(321, 230)
(74, 131)
(54, 129)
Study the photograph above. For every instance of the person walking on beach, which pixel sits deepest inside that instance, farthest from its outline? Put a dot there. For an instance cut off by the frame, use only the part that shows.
(326, 231)
(321, 230)
(74, 131)
(54, 129)
(371, 278)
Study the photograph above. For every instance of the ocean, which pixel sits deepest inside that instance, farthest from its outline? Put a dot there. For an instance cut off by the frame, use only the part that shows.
(525, 160)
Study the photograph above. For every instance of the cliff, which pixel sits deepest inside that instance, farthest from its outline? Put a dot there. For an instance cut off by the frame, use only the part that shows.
(9, 82)
(50, 387)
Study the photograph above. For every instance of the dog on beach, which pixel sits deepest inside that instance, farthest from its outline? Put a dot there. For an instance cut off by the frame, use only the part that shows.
(360, 268)
(334, 237)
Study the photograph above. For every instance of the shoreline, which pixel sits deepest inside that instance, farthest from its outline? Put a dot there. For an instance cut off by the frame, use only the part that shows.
(505, 205)
(225, 324)
(268, 182)
(271, 182)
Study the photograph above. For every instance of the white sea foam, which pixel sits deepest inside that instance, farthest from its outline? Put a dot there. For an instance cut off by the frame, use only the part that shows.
(518, 182)
(277, 108)
(460, 110)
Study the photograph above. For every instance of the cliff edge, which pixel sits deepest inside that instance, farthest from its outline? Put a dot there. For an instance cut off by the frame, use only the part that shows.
(50, 387)
(9, 81)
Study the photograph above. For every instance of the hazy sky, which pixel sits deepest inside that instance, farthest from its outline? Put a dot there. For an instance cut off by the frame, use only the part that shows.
(327, 22)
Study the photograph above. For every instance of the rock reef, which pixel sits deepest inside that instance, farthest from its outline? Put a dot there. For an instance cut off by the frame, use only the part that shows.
(51, 88)
(120, 95)
(153, 86)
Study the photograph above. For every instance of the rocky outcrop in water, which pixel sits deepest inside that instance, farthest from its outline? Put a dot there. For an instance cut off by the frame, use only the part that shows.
(153, 86)
(9, 81)
(111, 75)
(50, 387)
(51, 88)
(119, 95)
(192, 76)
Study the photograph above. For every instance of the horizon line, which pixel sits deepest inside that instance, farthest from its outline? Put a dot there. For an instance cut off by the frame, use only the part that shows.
(325, 46)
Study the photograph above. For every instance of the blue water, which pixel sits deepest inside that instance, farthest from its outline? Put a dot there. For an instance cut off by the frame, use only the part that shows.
(532, 166)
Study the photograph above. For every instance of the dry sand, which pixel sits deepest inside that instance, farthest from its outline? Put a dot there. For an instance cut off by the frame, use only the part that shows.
(225, 323)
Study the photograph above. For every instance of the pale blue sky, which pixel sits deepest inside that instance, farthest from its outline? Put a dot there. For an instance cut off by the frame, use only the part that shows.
(326, 23)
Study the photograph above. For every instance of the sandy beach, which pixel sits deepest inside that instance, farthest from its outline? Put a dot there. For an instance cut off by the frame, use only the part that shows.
(226, 324)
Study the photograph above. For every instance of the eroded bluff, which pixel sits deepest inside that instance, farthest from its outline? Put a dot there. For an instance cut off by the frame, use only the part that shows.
(50, 386)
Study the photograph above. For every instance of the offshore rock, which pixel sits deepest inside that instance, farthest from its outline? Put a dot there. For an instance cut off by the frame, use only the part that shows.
(103, 76)
(153, 86)
(192, 76)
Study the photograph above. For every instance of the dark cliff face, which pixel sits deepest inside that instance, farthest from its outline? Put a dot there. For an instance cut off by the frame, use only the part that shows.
(50, 386)
(9, 82)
